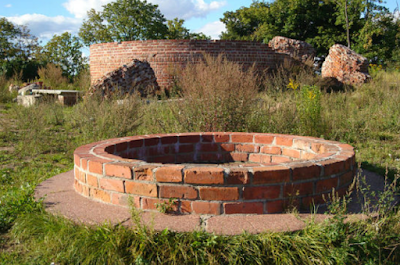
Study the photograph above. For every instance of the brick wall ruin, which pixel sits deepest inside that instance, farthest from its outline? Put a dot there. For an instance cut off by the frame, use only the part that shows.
(165, 55)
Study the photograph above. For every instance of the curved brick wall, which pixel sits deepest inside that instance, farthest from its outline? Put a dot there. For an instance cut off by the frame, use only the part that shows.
(214, 173)
(164, 55)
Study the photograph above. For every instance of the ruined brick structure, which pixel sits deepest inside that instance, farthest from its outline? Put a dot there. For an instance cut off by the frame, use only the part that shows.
(166, 55)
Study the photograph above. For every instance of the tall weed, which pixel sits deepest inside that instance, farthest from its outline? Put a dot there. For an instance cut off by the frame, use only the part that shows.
(97, 118)
(52, 76)
(217, 95)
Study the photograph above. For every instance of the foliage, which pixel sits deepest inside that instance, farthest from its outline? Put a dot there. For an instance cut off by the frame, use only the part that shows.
(373, 29)
(177, 31)
(65, 51)
(222, 93)
(123, 20)
(309, 108)
(52, 76)
(18, 48)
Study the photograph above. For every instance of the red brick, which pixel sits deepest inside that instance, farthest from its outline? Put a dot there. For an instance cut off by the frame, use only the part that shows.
(185, 158)
(208, 147)
(221, 138)
(169, 174)
(92, 180)
(302, 144)
(144, 189)
(346, 147)
(228, 147)
(213, 208)
(286, 141)
(242, 138)
(80, 175)
(78, 186)
(299, 189)
(207, 137)
(170, 159)
(100, 195)
(151, 141)
(271, 174)
(238, 176)
(318, 148)
(210, 157)
(291, 153)
(96, 165)
(189, 138)
(144, 173)
(178, 191)
(250, 148)
(204, 175)
(332, 166)
(169, 139)
(273, 150)
(257, 193)
(136, 143)
(185, 148)
(260, 158)
(280, 159)
(263, 139)
(276, 206)
(151, 204)
(326, 184)
(118, 170)
(186, 207)
(121, 147)
(307, 156)
(308, 202)
(158, 150)
(77, 160)
(111, 184)
(244, 208)
(219, 194)
(346, 178)
(305, 171)
(238, 157)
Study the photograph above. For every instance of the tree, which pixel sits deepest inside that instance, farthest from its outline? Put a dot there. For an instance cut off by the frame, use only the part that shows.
(124, 20)
(65, 51)
(18, 50)
(177, 31)
(364, 24)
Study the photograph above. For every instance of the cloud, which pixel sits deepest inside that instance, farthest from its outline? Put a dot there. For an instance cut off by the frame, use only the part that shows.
(79, 8)
(213, 29)
(45, 27)
(185, 9)
(8, 5)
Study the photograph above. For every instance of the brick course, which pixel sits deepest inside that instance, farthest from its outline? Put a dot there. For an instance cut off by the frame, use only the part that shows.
(222, 173)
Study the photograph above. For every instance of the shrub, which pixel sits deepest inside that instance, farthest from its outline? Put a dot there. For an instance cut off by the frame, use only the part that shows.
(218, 95)
(52, 76)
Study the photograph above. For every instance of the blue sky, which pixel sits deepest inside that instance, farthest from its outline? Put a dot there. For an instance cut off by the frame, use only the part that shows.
(48, 17)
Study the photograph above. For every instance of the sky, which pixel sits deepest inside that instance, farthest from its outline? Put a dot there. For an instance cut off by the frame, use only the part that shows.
(46, 18)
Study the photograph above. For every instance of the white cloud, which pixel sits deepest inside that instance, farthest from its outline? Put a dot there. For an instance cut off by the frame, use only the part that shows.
(170, 8)
(8, 5)
(45, 27)
(79, 8)
(213, 29)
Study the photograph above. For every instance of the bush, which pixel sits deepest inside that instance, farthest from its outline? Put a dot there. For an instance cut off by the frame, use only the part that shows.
(217, 95)
(52, 76)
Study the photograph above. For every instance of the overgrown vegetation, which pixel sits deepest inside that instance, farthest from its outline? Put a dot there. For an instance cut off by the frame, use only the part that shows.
(36, 143)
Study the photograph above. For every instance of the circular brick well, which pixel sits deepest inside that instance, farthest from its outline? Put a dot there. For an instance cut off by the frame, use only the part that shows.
(214, 173)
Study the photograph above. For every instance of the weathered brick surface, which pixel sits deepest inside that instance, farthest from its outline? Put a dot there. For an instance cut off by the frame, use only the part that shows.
(118, 170)
(259, 175)
(219, 194)
(204, 175)
(169, 174)
(244, 208)
(141, 188)
(200, 207)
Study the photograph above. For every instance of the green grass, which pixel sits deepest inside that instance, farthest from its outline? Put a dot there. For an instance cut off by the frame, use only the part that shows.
(37, 143)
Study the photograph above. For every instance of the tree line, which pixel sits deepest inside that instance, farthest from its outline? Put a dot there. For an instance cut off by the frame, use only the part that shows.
(364, 25)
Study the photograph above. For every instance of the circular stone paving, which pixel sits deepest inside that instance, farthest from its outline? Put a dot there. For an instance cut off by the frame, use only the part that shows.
(213, 173)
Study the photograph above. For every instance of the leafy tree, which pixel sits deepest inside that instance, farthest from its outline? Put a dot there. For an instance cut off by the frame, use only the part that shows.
(124, 20)
(65, 51)
(18, 50)
(372, 29)
(177, 31)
